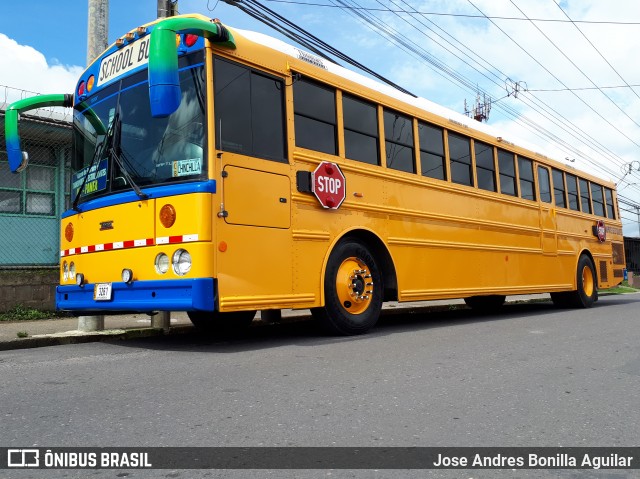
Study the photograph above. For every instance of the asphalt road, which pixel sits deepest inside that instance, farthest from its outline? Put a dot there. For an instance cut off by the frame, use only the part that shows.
(531, 375)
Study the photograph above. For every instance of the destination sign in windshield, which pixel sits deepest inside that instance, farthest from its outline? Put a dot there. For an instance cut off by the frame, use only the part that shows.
(124, 60)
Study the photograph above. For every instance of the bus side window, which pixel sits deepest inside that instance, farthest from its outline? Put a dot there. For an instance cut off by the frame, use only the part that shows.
(460, 159)
(527, 184)
(314, 108)
(398, 139)
(572, 192)
(585, 202)
(598, 199)
(507, 170)
(360, 130)
(485, 166)
(544, 184)
(558, 188)
(432, 157)
(611, 214)
(249, 111)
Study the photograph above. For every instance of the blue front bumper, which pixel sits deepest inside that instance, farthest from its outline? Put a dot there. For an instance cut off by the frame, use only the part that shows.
(170, 295)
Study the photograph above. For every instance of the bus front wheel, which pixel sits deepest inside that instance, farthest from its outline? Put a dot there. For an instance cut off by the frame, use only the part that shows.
(353, 291)
(215, 321)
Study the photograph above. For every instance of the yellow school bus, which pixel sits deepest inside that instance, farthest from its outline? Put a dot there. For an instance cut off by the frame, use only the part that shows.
(220, 172)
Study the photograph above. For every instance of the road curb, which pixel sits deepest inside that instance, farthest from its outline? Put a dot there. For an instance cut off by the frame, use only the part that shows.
(61, 339)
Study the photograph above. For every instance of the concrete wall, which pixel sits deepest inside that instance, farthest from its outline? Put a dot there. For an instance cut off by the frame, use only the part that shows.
(28, 288)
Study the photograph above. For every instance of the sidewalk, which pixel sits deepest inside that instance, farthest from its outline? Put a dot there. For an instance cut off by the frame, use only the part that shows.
(57, 331)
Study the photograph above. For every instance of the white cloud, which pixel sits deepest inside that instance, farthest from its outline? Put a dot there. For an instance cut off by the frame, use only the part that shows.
(24, 68)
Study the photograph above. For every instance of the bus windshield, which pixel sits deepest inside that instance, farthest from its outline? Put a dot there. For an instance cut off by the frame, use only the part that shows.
(119, 146)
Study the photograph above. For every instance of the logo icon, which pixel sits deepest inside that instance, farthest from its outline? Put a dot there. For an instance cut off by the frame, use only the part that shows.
(106, 225)
(23, 458)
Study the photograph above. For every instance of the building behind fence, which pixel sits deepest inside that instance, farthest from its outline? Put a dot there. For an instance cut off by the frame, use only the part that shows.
(31, 203)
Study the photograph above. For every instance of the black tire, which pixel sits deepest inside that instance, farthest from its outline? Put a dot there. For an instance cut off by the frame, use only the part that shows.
(587, 287)
(212, 322)
(486, 304)
(562, 300)
(353, 291)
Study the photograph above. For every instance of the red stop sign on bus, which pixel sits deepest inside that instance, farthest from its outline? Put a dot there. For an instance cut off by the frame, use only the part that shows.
(329, 185)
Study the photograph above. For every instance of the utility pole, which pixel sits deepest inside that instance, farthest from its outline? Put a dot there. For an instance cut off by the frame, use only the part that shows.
(98, 28)
(167, 8)
(162, 320)
(97, 42)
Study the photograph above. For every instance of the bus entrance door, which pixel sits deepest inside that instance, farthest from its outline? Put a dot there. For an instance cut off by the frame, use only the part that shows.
(548, 229)
(254, 239)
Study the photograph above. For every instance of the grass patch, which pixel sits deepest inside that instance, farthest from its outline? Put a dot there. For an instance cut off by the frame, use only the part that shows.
(622, 288)
(22, 313)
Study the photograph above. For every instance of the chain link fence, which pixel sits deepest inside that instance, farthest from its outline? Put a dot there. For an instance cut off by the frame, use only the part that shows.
(31, 201)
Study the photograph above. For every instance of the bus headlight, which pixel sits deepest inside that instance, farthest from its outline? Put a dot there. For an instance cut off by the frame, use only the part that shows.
(181, 262)
(162, 263)
(72, 270)
(65, 271)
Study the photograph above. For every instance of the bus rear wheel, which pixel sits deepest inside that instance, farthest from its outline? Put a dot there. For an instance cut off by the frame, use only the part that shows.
(215, 321)
(353, 291)
(587, 287)
(485, 303)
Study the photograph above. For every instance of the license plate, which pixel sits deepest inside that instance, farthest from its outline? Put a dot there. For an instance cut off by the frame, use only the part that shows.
(102, 292)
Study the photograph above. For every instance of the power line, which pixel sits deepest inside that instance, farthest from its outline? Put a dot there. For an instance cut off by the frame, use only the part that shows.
(303, 37)
(578, 68)
(598, 51)
(536, 129)
(558, 80)
(383, 29)
(582, 88)
(461, 15)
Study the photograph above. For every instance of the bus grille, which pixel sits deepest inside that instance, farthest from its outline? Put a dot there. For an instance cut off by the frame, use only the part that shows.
(603, 272)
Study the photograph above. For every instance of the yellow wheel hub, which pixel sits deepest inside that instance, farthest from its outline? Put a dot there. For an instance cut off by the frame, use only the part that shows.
(588, 283)
(354, 285)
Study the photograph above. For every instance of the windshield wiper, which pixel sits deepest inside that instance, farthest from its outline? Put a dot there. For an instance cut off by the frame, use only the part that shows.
(113, 153)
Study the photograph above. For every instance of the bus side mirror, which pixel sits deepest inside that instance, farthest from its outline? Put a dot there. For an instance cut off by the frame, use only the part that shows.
(19, 159)
(164, 81)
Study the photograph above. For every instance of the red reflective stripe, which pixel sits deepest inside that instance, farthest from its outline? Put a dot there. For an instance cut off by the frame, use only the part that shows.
(120, 245)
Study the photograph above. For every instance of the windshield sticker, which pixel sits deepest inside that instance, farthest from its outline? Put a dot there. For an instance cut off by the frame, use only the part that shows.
(96, 181)
(192, 166)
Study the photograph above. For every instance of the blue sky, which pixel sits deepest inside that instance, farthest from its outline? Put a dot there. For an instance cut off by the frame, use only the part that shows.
(43, 45)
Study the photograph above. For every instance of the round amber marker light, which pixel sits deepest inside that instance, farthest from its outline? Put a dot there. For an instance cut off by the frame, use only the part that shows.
(68, 232)
(167, 216)
(90, 82)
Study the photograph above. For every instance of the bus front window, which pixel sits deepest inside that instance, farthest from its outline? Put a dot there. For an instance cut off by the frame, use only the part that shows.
(119, 146)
